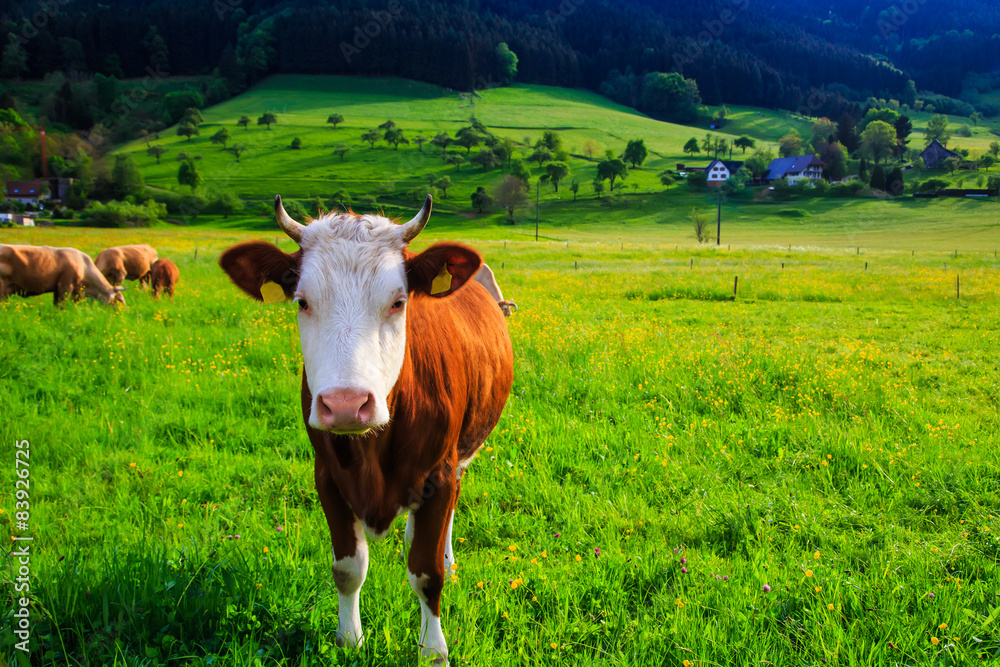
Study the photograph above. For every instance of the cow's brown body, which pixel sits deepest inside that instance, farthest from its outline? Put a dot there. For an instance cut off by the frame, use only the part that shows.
(165, 275)
(127, 262)
(375, 461)
(34, 270)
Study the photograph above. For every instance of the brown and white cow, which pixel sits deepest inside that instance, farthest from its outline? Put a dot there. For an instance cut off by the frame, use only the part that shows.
(484, 276)
(127, 262)
(407, 367)
(32, 270)
(165, 275)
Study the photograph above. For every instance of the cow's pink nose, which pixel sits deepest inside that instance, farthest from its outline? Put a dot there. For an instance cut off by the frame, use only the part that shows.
(346, 409)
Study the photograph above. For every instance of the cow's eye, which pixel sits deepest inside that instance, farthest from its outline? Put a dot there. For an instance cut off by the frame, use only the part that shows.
(303, 304)
(397, 306)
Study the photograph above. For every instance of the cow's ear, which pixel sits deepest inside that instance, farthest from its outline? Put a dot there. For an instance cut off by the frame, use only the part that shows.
(256, 264)
(442, 269)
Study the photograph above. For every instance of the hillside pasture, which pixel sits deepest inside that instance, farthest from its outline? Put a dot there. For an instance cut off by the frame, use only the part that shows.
(805, 474)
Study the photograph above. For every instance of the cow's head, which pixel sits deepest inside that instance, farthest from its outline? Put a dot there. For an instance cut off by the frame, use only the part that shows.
(352, 279)
(106, 294)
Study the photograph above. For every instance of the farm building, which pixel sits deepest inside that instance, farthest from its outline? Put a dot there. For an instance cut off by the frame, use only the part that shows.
(720, 170)
(26, 192)
(935, 155)
(808, 167)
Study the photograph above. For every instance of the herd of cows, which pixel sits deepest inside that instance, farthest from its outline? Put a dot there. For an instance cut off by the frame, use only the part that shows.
(32, 270)
(407, 365)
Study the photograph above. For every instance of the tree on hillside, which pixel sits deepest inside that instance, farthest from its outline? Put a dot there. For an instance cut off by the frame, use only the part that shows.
(395, 137)
(520, 171)
(387, 125)
(156, 151)
(229, 203)
(420, 140)
(878, 141)
(692, 147)
(506, 63)
(442, 141)
(238, 149)
(758, 162)
(267, 119)
(296, 143)
(743, 143)
(467, 138)
(221, 137)
(995, 149)
(823, 129)
(574, 187)
(707, 143)
(790, 145)
(885, 115)
(671, 96)
(986, 161)
(975, 117)
(486, 158)
(481, 199)
(720, 145)
(188, 174)
(598, 186)
(591, 148)
(126, 179)
(512, 194)
(937, 128)
(335, 119)
(192, 115)
(455, 159)
(835, 157)
(847, 133)
(878, 173)
(903, 127)
(611, 168)
(186, 129)
(371, 136)
(540, 155)
(244, 121)
(443, 183)
(951, 164)
(635, 153)
(551, 140)
(556, 171)
(341, 151)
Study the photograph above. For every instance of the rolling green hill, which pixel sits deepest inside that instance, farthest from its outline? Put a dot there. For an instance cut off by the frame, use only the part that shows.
(395, 180)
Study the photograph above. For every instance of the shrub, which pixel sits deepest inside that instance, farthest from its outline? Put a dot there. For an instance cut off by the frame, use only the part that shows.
(932, 185)
(123, 214)
(296, 143)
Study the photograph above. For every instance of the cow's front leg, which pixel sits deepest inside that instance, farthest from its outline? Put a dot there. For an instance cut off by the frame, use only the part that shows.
(426, 563)
(350, 557)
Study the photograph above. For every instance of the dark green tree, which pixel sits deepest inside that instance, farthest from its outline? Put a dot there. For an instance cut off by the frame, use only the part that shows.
(635, 153)
(188, 174)
(268, 119)
(507, 63)
(335, 119)
(221, 137)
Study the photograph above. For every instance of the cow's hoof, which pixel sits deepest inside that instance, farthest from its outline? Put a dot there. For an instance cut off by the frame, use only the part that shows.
(433, 658)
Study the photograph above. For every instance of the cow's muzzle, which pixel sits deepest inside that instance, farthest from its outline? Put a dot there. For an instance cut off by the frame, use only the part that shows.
(346, 410)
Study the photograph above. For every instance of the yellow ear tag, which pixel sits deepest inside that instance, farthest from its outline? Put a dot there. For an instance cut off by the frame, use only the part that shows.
(272, 292)
(442, 282)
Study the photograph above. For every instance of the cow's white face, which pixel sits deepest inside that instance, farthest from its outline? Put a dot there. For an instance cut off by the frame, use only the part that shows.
(351, 296)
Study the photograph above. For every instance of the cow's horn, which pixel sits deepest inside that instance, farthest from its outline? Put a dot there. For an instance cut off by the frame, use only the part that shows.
(292, 228)
(414, 226)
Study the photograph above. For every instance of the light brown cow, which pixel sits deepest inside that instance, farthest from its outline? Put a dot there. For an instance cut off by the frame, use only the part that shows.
(32, 270)
(484, 276)
(407, 365)
(127, 262)
(165, 276)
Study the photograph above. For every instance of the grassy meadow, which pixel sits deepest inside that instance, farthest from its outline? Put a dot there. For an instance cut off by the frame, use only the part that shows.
(807, 474)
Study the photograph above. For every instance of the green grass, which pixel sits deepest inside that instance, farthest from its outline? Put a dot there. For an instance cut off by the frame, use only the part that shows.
(831, 434)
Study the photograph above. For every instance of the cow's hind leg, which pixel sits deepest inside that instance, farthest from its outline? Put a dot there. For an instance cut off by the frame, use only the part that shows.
(426, 565)
(350, 557)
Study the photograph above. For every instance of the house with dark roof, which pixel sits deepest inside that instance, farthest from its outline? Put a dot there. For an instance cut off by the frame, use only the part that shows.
(795, 169)
(26, 192)
(720, 170)
(935, 155)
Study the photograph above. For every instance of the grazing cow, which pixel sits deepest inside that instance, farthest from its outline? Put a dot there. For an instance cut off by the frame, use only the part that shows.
(32, 270)
(407, 367)
(127, 262)
(165, 275)
(484, 276)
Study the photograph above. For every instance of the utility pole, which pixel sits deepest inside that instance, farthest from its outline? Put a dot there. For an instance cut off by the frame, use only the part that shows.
(718, 228)
(538, 184)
